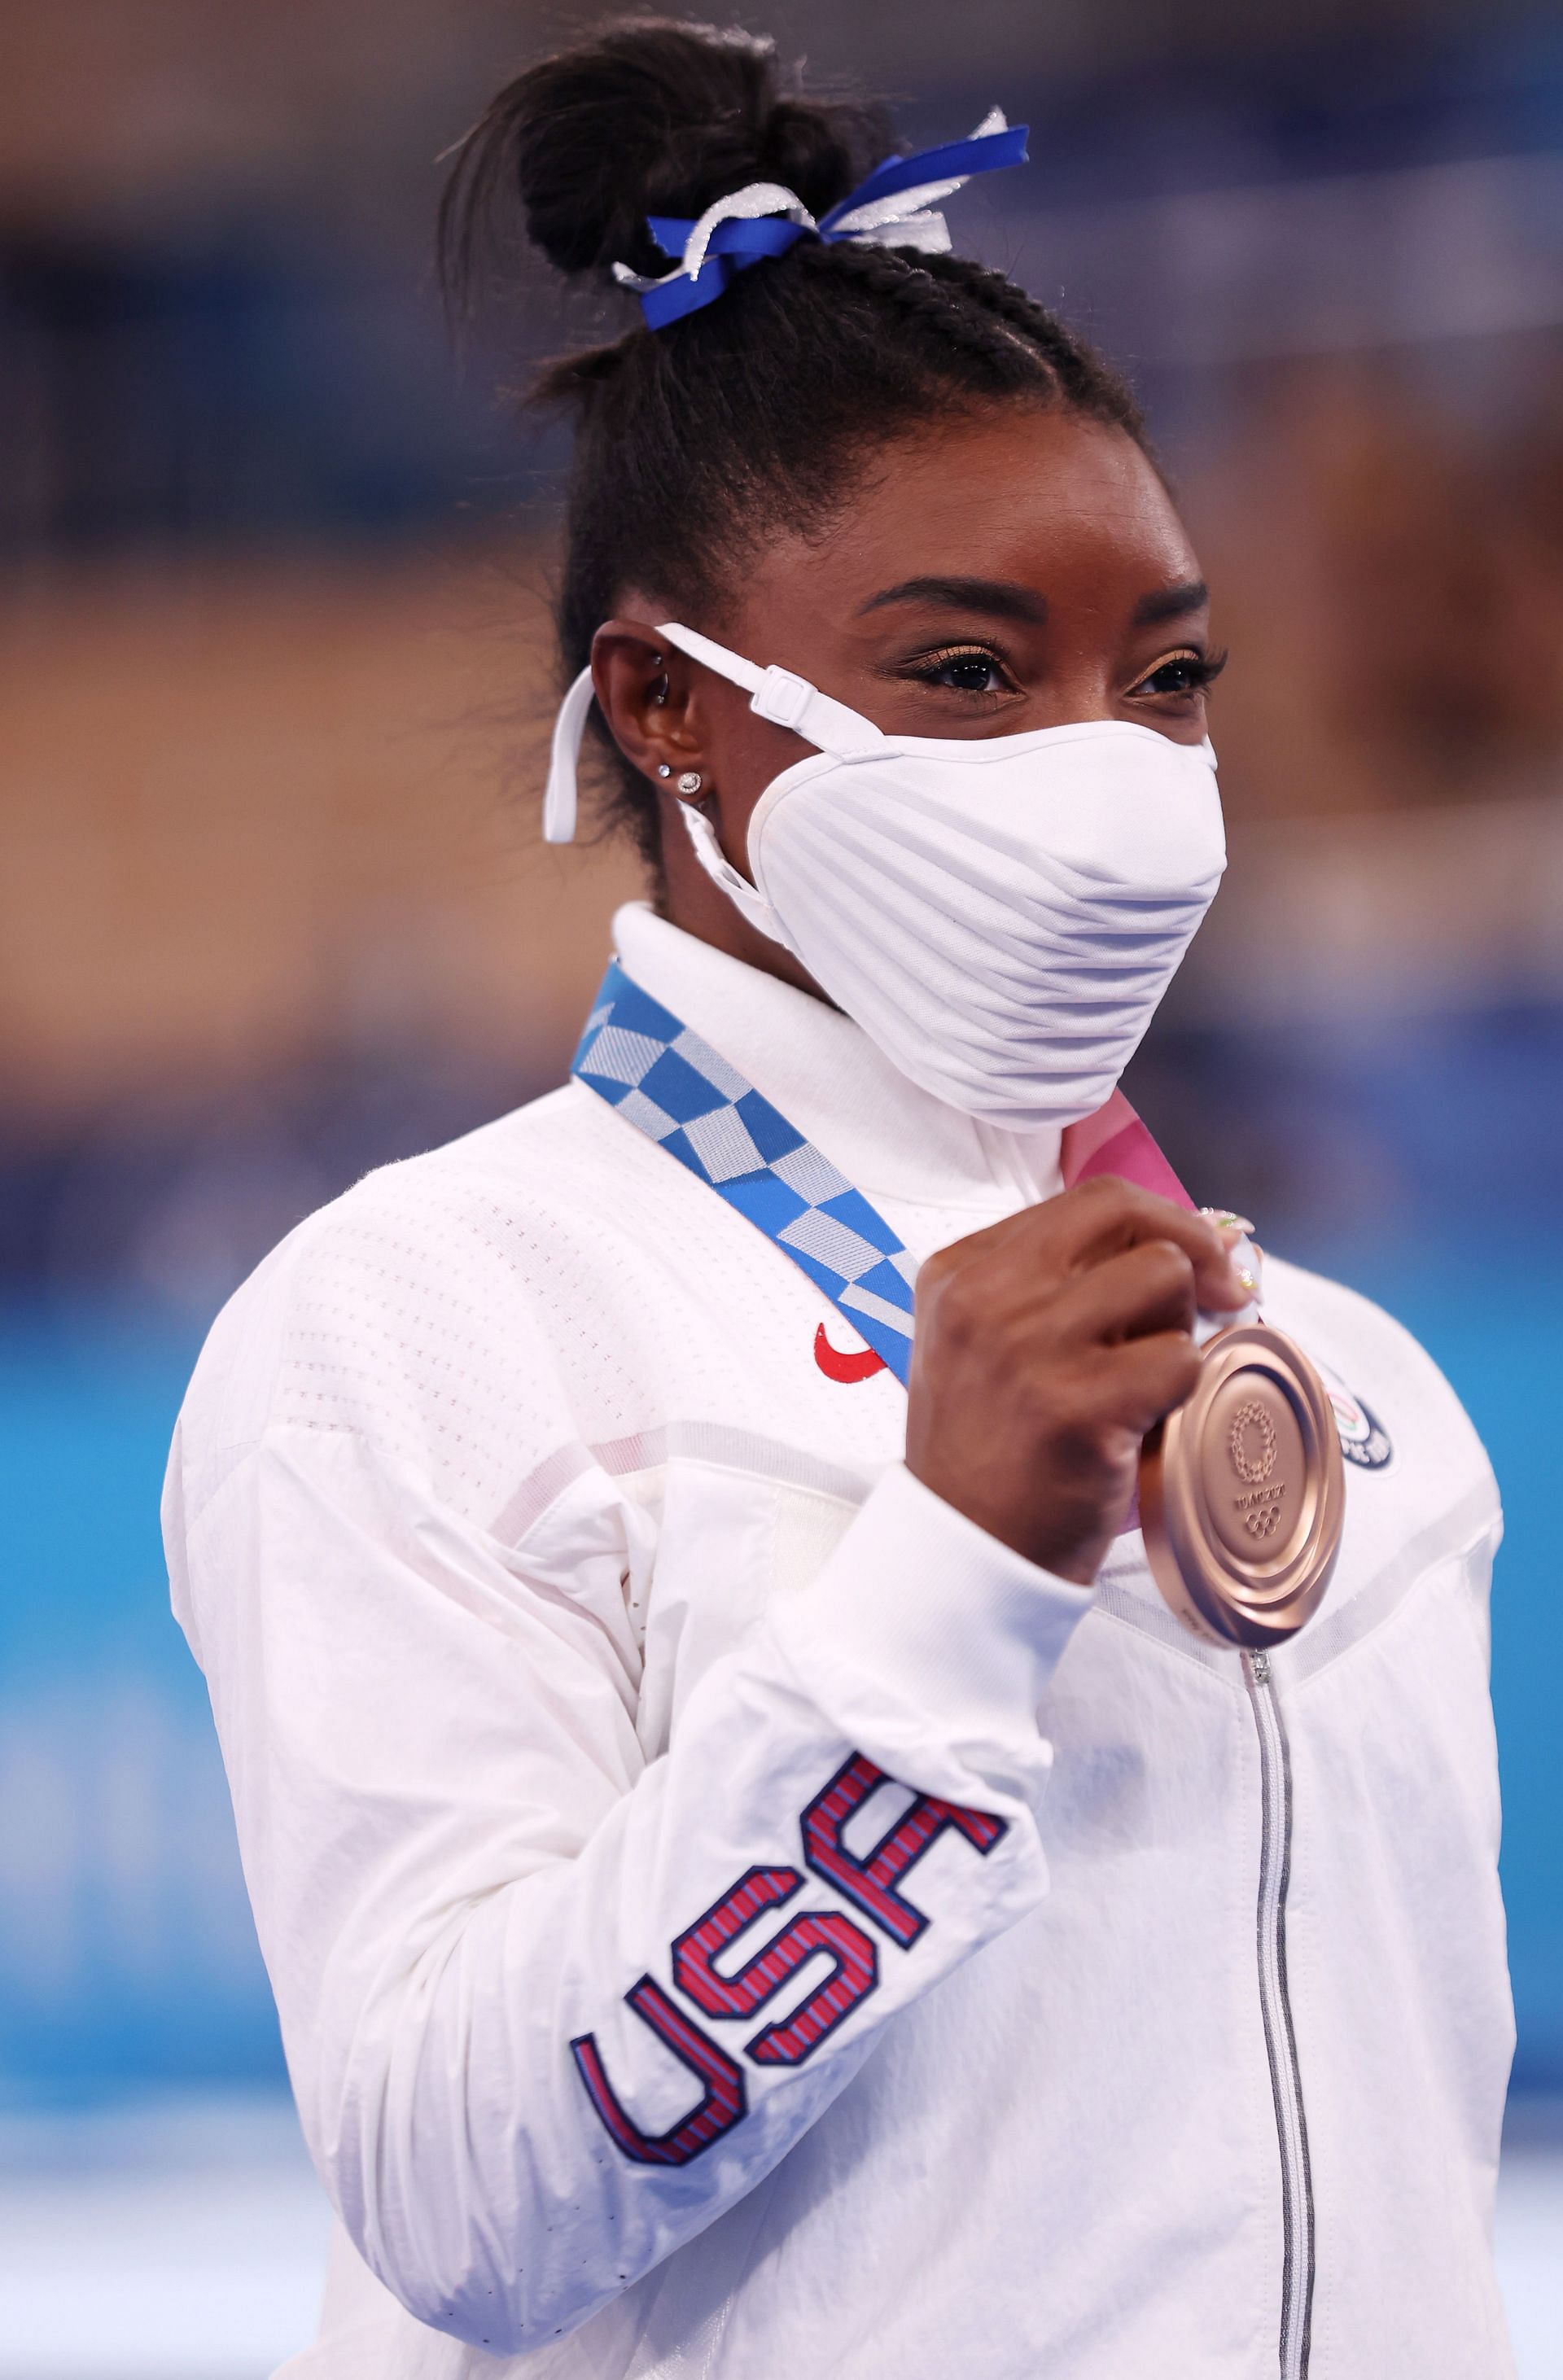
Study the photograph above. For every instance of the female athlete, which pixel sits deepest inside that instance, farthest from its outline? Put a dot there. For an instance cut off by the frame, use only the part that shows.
(757, 1879)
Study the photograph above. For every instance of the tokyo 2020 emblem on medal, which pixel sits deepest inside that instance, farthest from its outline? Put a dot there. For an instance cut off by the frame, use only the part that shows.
(1242, 1492)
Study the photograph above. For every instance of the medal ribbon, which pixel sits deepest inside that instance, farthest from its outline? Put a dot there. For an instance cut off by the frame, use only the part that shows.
(1115, 1140)
(680, 1092)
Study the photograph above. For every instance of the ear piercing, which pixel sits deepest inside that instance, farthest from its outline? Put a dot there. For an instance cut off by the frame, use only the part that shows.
(663, 770)
(690, 782)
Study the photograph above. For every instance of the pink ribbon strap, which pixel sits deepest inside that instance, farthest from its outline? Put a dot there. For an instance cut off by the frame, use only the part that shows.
(1114, 1141)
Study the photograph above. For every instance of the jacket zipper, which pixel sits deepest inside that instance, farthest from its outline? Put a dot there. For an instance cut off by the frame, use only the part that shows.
(1280, 2041)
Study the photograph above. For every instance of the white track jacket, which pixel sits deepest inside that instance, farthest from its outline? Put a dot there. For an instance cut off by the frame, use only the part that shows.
(730, 1916)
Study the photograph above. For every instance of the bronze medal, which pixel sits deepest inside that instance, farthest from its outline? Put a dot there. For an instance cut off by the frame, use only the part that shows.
(1242, 1492)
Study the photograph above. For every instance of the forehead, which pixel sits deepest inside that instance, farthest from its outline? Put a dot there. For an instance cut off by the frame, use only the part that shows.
(1042, 499)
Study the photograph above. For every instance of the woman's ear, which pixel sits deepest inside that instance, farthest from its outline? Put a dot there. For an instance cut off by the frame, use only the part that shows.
(645, 693)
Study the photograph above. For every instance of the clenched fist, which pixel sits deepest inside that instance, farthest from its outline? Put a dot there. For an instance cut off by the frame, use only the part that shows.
(1045, 1348)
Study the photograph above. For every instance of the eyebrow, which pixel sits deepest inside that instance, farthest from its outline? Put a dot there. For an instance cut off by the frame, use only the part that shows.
(1171, 602)
(1000, 598)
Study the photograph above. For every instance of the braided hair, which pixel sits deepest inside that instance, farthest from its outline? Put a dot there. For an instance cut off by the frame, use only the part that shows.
(694, 442)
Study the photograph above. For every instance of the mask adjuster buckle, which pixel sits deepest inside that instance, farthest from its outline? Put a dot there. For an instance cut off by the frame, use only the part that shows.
(774, 694)
(829, 725)
(778, 695)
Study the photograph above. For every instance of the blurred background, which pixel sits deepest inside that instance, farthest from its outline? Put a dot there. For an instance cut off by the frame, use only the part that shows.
(275, 672)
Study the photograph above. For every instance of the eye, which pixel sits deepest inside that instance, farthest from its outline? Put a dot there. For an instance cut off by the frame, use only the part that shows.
(966, 669)
(1184, 674)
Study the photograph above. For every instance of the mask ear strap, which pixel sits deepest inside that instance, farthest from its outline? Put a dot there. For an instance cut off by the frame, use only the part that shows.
(791, 702)
(559, 801)
(776, 695)
(747, 674)
(719, 867)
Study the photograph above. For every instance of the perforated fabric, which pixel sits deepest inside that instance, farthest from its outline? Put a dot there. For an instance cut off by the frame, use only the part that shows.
(543, 1579)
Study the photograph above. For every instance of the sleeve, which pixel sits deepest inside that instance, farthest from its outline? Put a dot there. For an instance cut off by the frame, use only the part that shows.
(551, 2005)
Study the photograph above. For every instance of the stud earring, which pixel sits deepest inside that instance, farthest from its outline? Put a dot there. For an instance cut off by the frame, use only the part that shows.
(663, 770)
(690, 782)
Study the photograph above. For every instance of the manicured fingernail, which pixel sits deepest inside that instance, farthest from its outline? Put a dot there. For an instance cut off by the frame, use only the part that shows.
(1225, 1220)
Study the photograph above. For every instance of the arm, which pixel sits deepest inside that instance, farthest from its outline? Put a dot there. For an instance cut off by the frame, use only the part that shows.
(518, 1967)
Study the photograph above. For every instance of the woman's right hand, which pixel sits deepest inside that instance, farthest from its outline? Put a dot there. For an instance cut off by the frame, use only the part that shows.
(1045, 1348)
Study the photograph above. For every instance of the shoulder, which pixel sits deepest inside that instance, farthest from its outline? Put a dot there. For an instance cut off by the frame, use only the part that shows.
(463, 1215)
(423, 1309)
(1393, 1403)
(1346, 1324)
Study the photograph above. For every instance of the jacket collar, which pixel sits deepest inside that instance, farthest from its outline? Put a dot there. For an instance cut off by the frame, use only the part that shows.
(888, 1136)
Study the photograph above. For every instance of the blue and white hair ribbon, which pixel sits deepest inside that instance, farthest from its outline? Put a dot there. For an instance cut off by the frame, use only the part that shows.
(894, 208)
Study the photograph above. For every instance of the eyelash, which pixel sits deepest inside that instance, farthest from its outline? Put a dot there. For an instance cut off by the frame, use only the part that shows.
(1201, 670)
(927, 668)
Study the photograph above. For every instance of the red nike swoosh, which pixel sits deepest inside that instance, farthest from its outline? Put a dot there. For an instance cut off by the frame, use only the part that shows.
(845, 1364)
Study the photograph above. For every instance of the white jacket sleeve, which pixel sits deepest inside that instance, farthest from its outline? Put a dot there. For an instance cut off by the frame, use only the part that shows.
(550, 2006)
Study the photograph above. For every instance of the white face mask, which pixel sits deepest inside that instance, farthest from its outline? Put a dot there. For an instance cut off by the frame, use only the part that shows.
(1001, 916)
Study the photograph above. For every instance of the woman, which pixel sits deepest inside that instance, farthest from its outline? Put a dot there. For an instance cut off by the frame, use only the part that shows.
(755, 1878)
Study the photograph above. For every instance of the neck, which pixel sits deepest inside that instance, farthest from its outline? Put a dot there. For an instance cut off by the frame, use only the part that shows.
(889, 1138)
(688, 899)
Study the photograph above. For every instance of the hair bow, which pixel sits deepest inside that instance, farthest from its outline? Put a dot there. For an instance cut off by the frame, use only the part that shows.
(894, 208)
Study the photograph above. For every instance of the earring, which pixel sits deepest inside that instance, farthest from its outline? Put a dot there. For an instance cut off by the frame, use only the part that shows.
(690, 782)
(663, 770)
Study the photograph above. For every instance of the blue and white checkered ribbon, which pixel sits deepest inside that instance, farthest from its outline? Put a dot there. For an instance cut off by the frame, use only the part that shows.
(680, 1092)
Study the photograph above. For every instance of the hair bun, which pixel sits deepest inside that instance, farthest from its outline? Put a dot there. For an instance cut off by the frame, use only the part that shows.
(649, 116)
